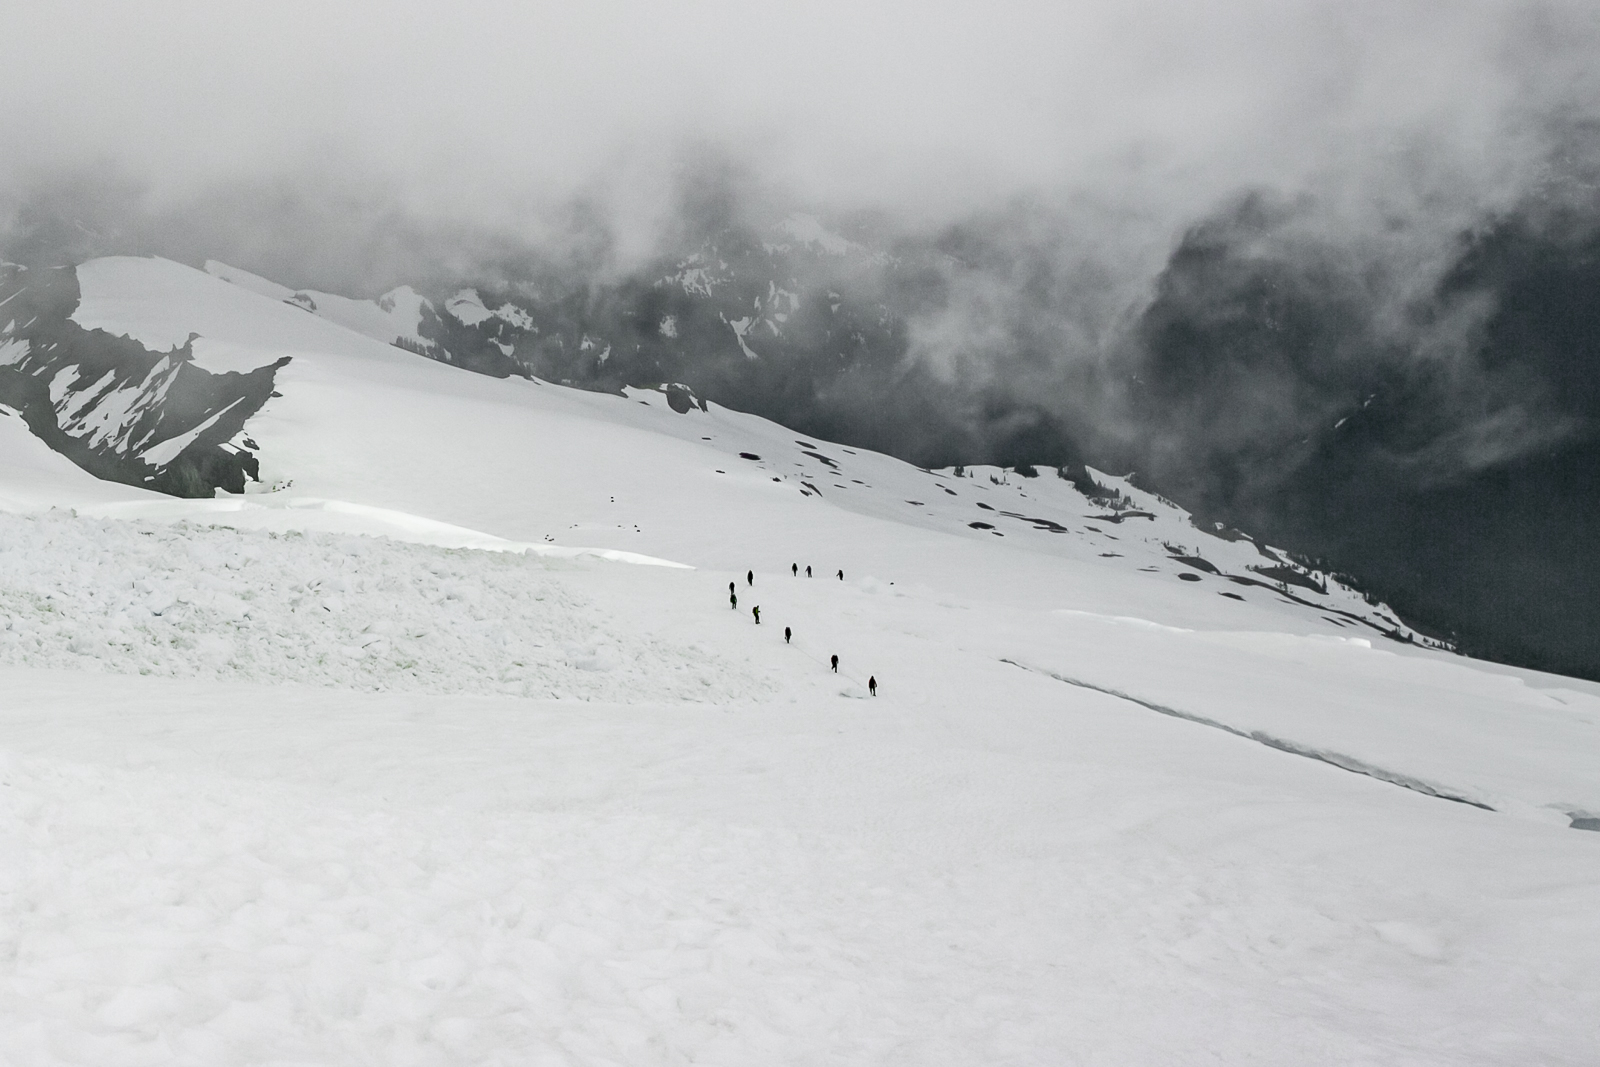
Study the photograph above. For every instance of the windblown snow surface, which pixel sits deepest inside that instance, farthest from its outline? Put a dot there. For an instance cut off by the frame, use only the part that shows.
(414, 757)
(358, 612)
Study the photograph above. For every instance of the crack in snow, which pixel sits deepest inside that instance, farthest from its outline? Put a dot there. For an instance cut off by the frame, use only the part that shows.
(1333, 759)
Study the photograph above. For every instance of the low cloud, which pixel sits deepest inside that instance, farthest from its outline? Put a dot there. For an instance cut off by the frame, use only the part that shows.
(1067, 170)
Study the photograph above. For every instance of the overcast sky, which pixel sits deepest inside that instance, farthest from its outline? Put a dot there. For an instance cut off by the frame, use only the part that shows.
(488, 111)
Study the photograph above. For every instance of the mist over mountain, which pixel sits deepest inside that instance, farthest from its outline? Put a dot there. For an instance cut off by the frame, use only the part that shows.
(1322, 271)
(1439, 441)
(1430, 433)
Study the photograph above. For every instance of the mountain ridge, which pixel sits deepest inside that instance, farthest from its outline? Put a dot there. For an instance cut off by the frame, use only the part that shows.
(251, 334)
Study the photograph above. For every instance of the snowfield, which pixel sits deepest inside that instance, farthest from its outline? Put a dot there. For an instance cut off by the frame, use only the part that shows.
(357, 612)
(32, 477)
(204, 873)
(404, 758)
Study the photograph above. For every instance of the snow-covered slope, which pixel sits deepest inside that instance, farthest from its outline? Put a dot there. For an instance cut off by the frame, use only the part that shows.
(147, 417)
(394, 318)
(362, 613)
(33, 476)
(524, 460)
(363, 437)
(1130, 791)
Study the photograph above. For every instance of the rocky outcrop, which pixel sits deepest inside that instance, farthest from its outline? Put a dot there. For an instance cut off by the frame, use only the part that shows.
(119, 410)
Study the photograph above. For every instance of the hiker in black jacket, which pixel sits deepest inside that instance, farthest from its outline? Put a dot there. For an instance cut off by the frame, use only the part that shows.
(835, 664)
(808, 570)
(872, 685)
(841, 576)
(787, 633)
(733, 601)
(750, 577)
(794, 568)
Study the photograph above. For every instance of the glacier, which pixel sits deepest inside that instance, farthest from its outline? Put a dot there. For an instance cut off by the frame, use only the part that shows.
(416, 752)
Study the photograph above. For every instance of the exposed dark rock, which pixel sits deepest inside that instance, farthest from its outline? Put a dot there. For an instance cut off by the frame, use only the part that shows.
(159, 396)
(680, 398)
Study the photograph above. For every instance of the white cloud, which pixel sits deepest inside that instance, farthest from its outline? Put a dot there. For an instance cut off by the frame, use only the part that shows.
(485, 110)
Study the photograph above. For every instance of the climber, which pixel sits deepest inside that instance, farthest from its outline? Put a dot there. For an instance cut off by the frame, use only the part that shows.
(808, 570)
(787, 633)
(872, 685)
(835, 664)
(750, 577)
(756, 611)
(841, 576)
(733, 601)
(794, 568)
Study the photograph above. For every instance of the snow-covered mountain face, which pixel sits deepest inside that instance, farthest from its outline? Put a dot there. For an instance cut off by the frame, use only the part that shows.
(457, 330)
(791, 320)
(145, 416)
(734, 306)
(99, 371)
(1253, 389)
(782, 314)
(740, 305)
(496, 715)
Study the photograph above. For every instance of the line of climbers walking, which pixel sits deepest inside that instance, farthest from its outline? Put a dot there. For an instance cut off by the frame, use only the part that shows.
(794, 569)
(788, 633)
